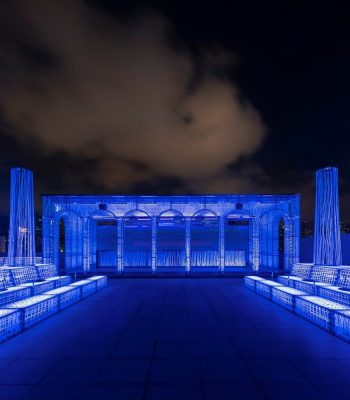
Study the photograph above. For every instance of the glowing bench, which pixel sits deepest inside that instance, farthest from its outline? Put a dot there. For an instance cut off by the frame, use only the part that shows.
(342, 324)
(67, 295)
(250, 281)
(335, 293)
(6, 279)
(35, 309)
(285, 296)
(39, 287)
(86, 286)
(10, 324)
(49, 273)
(101, 281)
(320, 277)
(317, 310)
(299, 270)
(340, 292)
(9, 293)
(264, 287)
(14, 293)
(29, 276)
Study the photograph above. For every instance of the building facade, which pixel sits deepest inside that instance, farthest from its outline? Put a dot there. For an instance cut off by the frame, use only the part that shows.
(177, 234)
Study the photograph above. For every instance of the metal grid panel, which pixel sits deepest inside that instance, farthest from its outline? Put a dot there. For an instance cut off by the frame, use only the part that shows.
(40, 287)
(309, 287)
(5, 278)
(344, 278)
(317, 310)
(342, 324)
(35, 309)
(293, 280)
(325, 274)
(263, 212)
(13, 294)
(56, 281)
(302, 270)
(10, 324)
(87, 287)
(285, 296)
(250, 281)
(46, 270)
(101, 281)
(335, 294)
(264, 287)
(64, 281)
(24, 274)
(284, 280)
(67, 295)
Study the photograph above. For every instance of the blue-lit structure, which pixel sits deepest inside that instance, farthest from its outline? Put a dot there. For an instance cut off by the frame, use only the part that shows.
(327, 244)
(30, 294)
(175, 234)
(21, 248)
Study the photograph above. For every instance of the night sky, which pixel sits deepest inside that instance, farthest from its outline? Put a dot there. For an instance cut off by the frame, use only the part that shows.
(175, 97)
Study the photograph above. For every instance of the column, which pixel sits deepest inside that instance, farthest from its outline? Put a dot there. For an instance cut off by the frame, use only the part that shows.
(21, 249)
(188, 244)
(255, 244)
(222, 243)
(154, 245)
(327, 245)
(120, 244)
(86, 245)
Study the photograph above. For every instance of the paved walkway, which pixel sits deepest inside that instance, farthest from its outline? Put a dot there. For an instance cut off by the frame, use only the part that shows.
(175, 339)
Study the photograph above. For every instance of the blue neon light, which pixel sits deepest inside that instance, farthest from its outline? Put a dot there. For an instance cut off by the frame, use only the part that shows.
(219, 233)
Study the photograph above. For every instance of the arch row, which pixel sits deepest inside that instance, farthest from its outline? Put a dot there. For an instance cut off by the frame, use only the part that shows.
(171, 242)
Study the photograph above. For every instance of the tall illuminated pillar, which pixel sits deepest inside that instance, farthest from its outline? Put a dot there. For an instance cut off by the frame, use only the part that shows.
(21, 249)
(327, 245)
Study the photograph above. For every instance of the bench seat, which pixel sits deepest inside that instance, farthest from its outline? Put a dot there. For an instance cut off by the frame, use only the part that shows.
(59, 280)
(264, 287)
(87, 287)
(250, 281)
(101, 281)
(335, 293)
(318, 310)
(39, 287)
(35, 309)
(309, 287)
(10, 324)
(285, 296)
(67, 295)
(342, 324)
(14, 293)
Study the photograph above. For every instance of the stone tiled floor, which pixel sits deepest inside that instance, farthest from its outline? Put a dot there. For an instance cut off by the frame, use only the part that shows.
(175, 339)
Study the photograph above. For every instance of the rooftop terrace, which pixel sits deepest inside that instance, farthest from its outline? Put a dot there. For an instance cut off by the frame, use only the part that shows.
(175, 339)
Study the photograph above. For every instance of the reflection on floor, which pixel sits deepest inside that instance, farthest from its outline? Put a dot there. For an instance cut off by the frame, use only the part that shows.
(204, 338)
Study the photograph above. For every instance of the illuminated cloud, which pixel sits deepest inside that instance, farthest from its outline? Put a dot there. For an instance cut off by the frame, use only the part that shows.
(121, 94)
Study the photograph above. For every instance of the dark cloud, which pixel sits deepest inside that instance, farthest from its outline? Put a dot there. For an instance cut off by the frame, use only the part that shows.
(124, 98)
(99, 97)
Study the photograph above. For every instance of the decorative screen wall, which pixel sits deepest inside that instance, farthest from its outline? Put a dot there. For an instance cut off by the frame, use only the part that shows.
(184, 234)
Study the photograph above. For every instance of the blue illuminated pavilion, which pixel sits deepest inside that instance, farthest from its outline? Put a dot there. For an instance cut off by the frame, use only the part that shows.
(177, 234)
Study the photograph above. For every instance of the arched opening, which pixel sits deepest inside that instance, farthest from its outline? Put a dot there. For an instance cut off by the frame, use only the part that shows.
(103, 238)
(137, 239)
(205, 241)
(68, 241)
(171, 242)
(275, 248)
(238, 243)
